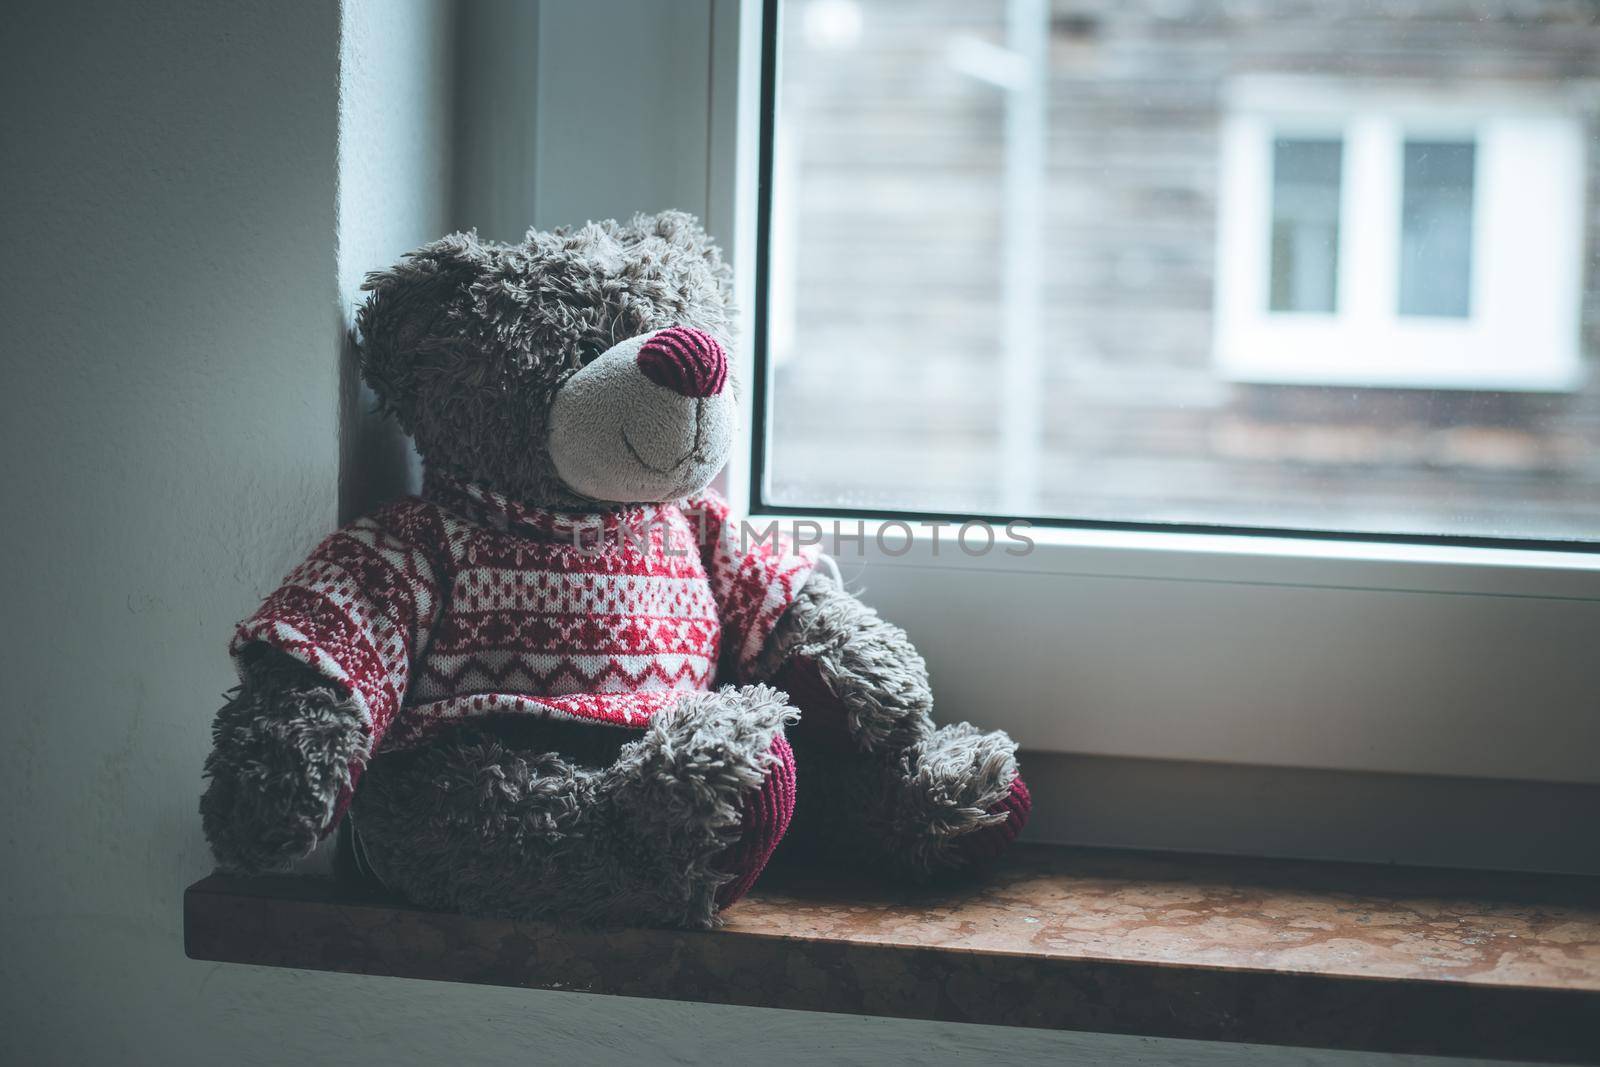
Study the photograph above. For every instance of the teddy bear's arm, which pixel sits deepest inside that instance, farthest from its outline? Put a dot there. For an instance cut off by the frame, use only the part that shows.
(883, 784)
(833, 644)
(324, 665)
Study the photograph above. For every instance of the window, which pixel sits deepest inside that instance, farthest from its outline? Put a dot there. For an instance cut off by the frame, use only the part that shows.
(991, 240)
(1436, 228)
(1196, 266)
(1413, 239)
(1305, 224)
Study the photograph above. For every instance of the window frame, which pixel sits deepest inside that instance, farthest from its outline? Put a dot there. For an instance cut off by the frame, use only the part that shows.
(1524, 138)
(1040, 646)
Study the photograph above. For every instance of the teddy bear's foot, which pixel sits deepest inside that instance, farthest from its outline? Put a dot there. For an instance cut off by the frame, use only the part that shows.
(659, 829)
(952, 800)
(705, 796)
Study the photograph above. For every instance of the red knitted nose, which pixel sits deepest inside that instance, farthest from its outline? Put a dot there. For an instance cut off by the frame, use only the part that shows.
(686, 361)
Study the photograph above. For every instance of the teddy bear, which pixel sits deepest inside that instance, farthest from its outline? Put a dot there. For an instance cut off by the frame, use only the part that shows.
(564, 681)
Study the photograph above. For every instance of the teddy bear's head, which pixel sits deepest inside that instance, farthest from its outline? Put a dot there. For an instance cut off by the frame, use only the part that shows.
(577, 367)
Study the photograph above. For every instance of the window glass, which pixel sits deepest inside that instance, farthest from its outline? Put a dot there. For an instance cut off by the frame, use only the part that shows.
(1305, 224)
(1436, 228)
(1277, 265)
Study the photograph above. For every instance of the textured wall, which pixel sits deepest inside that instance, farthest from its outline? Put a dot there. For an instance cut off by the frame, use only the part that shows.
(170, 365)
(183, 240)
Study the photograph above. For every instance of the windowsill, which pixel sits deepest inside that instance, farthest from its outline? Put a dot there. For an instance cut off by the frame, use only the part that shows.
(1255, 951)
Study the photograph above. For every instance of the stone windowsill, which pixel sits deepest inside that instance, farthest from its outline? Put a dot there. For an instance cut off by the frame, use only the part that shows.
(1259, 951)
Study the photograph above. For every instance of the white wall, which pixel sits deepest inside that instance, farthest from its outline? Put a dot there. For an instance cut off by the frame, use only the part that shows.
(496, 148)
(397, 67)
(183, 240)
(606, 149)
(553, 130)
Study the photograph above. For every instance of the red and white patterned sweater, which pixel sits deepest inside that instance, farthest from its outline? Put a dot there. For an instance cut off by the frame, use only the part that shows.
(462, 603)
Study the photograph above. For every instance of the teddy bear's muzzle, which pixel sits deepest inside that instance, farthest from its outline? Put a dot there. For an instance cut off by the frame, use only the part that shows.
(649, 419)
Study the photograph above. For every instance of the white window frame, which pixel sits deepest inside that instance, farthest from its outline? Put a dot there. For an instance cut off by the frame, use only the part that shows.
(1522, 329)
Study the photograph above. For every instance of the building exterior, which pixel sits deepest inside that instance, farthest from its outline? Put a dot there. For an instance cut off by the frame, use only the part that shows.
(1282, 263)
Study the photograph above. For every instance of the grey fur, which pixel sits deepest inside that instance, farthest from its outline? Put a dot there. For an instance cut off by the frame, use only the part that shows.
(483, 825)
(466, 342)
(282, 749)
(617, 435)
(868, 663)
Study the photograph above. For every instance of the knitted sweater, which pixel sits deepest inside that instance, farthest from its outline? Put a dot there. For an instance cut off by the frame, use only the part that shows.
(462, 604)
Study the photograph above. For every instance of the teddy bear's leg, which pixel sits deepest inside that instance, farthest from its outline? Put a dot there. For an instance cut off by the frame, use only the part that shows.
(587, 822)
(881, 780)
(478, 821)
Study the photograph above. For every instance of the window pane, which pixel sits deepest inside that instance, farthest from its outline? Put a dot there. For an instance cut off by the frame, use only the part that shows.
(1003, 230)
(1305, 224)
(1436, 228)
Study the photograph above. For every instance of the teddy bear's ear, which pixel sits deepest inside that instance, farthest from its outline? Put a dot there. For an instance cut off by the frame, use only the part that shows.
(412, 315)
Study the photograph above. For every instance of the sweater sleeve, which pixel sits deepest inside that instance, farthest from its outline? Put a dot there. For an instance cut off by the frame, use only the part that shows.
(359, 610)
(755, 573)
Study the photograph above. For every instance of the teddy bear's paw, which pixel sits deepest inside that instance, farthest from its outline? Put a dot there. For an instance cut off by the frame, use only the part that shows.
(285, 750)
(958, 800)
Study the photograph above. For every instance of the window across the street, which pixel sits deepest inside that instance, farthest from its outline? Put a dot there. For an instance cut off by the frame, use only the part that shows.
(1390, 235)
